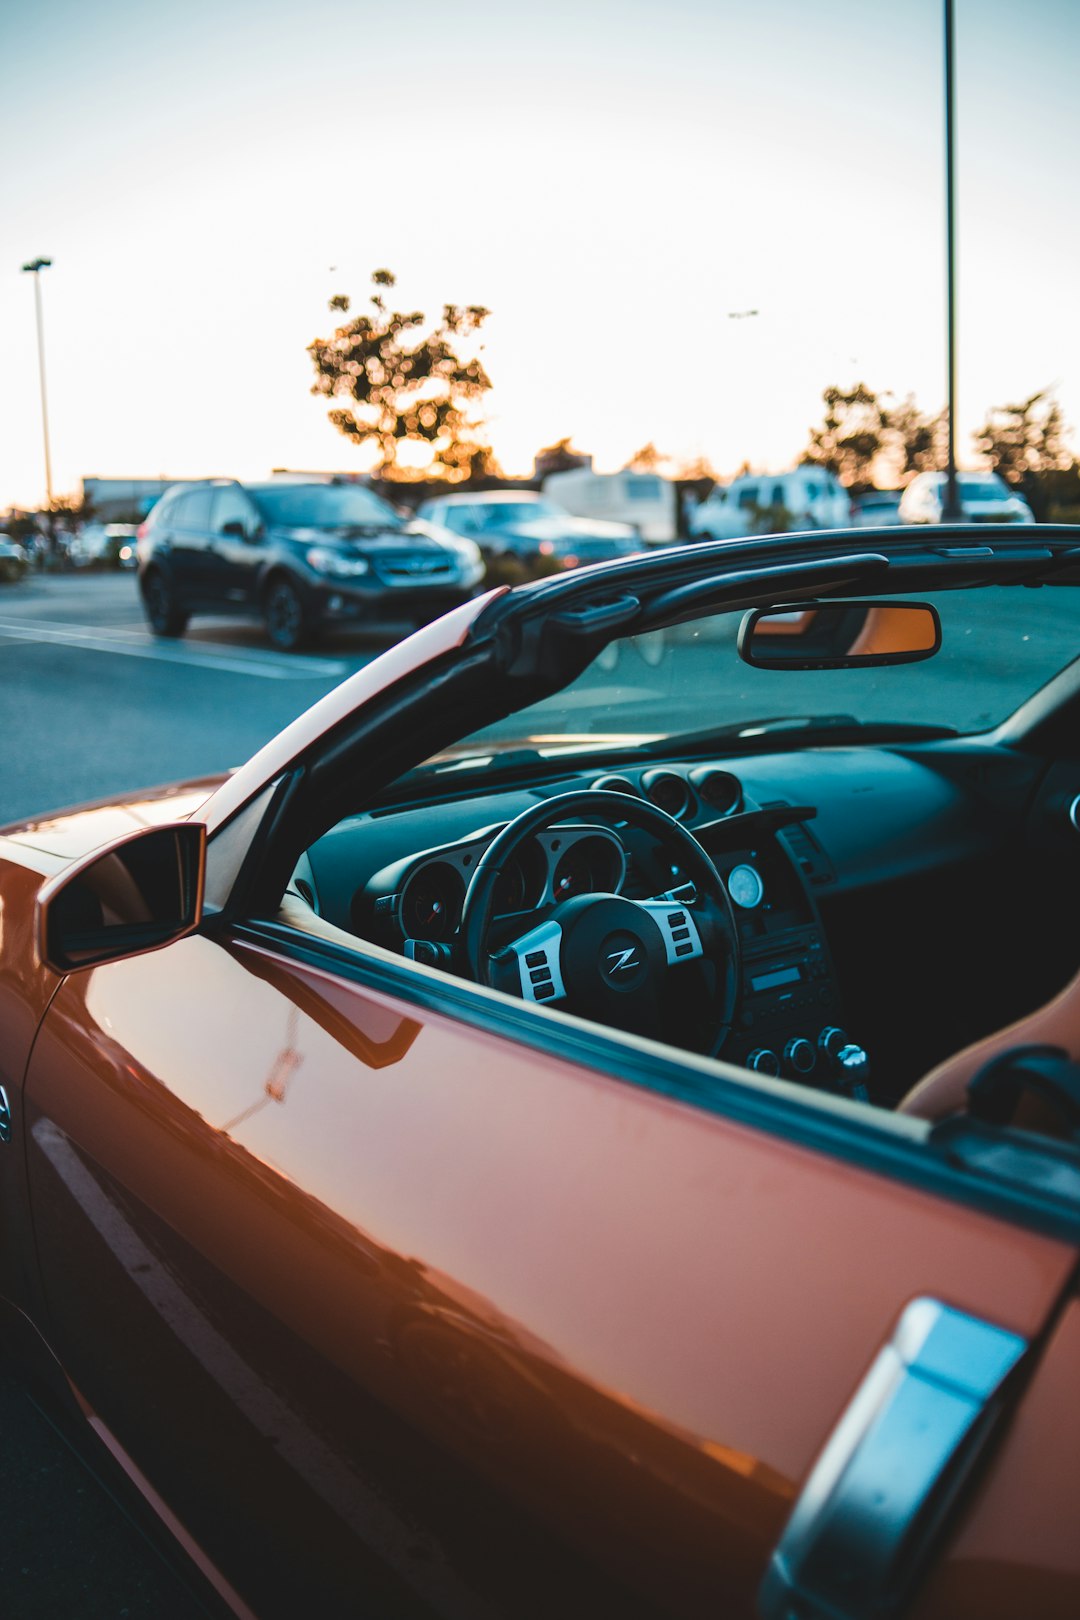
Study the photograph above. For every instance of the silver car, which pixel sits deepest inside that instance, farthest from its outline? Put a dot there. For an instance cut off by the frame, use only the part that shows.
(983, 498)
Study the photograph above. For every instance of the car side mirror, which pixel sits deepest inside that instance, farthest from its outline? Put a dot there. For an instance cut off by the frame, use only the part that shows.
(142, 892)
(237, 529)
(839, 635)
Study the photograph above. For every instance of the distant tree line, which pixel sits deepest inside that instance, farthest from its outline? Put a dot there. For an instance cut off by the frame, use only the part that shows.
(411, 392)
(864, 436)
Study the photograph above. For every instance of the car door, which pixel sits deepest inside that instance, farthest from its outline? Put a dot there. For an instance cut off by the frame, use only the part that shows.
(235, 550)
(187, 534)
(409, 1299)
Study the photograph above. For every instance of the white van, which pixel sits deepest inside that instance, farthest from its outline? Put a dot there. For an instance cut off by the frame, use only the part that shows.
(643, 499)
(755, 503)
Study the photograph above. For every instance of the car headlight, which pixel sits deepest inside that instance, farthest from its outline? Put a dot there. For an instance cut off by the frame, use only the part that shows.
(335, 563)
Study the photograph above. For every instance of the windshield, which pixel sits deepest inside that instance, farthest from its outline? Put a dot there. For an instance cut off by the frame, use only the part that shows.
(999, 645)
(504, 514)
(325, 506)
(983, 489)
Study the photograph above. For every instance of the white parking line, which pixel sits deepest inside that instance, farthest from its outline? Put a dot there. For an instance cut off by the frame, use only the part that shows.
(266, 666)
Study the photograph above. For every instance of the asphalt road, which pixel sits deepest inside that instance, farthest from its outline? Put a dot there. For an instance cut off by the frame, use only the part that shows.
(92, 704)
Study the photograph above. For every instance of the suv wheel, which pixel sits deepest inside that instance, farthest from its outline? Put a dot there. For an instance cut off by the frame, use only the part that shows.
(163, 615)
(286, 622)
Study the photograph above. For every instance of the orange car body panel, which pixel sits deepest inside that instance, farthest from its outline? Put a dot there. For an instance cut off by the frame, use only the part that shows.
(468, 1322)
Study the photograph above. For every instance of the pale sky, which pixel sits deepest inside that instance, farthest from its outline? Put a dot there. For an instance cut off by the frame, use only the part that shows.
(609, 177)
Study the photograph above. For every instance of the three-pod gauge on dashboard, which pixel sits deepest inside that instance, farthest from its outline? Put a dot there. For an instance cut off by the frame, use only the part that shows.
(745, 886)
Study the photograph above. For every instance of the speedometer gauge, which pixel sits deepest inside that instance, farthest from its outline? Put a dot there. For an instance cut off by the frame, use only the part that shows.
(745, 886)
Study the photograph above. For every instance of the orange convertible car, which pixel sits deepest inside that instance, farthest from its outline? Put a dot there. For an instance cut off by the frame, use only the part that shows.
(586, 1121)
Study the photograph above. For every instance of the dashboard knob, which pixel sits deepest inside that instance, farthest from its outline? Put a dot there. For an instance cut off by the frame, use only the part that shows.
(832, 1040)
(763, 1061)
(800, 1056)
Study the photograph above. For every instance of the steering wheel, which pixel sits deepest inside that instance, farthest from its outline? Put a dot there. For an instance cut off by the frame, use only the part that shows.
(617, 961)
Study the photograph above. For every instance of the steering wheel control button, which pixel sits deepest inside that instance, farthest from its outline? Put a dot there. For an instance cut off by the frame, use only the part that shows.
(538, 956)
(677, 928)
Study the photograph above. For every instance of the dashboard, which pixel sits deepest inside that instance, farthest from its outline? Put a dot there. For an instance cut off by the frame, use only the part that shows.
(858, 878)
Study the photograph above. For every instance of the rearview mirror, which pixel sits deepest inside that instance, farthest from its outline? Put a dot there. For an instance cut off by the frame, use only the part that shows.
(142, 892)
(839, 635)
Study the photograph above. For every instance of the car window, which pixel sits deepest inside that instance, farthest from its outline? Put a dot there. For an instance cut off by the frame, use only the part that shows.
(230, 506)
(192, 510)
(983, 489)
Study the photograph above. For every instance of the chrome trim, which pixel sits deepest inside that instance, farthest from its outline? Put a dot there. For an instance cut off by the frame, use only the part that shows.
(1074, 814)
(860, 1533)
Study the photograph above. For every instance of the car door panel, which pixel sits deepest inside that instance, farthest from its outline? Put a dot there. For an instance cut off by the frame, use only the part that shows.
(467, 1322)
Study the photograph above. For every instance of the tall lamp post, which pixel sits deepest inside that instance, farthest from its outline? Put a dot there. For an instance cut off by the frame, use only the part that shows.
(34, 268)
(951, 508)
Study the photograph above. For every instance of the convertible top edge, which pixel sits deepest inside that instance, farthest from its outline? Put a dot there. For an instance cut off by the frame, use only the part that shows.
(442, 636)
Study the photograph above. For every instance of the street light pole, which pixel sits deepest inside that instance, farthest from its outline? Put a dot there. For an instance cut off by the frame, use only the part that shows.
(35, 267)
(951, 508)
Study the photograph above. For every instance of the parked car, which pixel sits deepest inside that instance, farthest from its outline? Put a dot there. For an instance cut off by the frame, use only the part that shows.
(105, 545)
(983, 497)
(13, 560)
(874, 507)
(645, 500)
(806, 498)
(525, 1145)
(521, 524)
(305, 557)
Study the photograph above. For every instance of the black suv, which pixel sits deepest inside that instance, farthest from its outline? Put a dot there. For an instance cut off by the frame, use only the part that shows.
(303, 556)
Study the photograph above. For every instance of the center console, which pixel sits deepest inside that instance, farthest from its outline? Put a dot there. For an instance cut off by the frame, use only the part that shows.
(790, 1020)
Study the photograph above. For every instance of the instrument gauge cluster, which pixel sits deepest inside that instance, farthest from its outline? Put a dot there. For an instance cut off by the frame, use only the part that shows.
(430, 904)
(594, 864)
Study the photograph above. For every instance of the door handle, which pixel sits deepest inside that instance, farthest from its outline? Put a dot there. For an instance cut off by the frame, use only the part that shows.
(860, 1533)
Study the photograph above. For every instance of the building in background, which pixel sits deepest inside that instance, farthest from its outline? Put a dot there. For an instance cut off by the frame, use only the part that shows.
(124, 500)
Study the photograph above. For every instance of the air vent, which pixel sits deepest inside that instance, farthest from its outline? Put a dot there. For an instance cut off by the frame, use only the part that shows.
(667, 791)
(809, 856)
(720, 789)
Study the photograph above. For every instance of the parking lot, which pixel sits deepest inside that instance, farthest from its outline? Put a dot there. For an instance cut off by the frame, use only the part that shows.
(123, 710)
